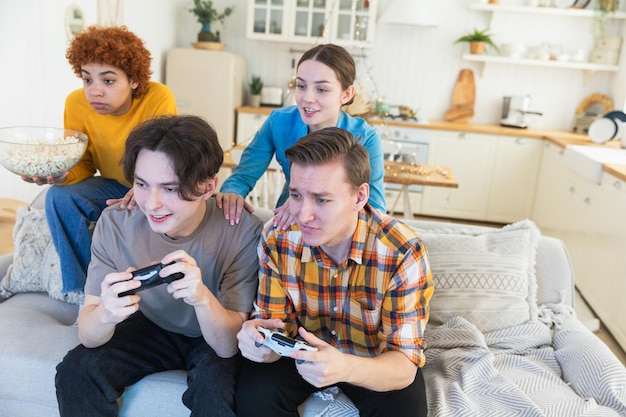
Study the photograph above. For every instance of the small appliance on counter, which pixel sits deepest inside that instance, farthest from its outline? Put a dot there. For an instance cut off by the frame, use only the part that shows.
(591, 109)
(582, 122)
(514, 111)
(272, 96)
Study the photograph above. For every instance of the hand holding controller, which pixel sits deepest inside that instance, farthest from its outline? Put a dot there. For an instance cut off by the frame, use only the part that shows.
(149, 277)
(282, 344)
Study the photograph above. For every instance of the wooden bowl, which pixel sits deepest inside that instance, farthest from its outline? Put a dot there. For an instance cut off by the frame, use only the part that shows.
(212, 46)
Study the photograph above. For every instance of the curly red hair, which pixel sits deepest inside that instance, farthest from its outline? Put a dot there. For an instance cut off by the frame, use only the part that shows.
(116, 46)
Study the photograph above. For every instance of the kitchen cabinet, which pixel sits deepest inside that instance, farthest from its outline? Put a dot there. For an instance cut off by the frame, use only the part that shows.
(247, 125)
(597, 246)
(344, 22)
(550, 210)
(580, 230)
(603, 213)
(590, 218)
(470, 156)
(514, 177)
(617, 325)
(496, 175)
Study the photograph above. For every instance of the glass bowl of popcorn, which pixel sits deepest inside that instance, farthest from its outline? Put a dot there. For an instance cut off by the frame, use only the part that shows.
(32, 151)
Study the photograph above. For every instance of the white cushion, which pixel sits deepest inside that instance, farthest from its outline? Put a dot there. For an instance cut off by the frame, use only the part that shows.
(486, 276)
(36, 266)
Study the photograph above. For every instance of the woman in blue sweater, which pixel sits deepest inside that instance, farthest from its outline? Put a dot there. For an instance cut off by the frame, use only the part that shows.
(324, 84)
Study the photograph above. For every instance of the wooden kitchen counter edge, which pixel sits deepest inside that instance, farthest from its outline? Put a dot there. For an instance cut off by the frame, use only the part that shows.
(618, 171)
(559, 137)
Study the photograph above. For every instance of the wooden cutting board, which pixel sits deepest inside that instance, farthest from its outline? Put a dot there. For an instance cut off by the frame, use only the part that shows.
(463, 98)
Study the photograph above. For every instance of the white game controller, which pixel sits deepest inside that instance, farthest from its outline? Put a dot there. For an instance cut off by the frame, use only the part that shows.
(282, 344)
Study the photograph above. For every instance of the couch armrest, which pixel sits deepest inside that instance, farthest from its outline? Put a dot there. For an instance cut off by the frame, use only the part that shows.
(555, 274)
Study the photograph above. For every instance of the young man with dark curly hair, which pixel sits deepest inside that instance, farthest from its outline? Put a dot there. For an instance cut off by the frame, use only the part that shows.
(117, 94)
(190, 323)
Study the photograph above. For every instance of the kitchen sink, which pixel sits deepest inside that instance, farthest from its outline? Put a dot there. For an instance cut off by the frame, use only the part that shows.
(588, 160)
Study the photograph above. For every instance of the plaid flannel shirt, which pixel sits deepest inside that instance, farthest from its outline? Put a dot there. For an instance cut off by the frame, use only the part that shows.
(376, 300)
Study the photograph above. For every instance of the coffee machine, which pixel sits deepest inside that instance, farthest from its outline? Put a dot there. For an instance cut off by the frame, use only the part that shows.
(514, 111)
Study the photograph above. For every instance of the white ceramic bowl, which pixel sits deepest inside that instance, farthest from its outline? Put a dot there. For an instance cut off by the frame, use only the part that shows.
(603, 130)
(33, 151)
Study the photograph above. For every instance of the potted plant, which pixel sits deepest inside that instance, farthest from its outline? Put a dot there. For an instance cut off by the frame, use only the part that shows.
(604, 9)
(207, 14)
(256, 85)
(477, 40)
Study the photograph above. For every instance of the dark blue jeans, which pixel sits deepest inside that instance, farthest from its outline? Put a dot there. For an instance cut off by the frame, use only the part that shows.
(276, 389)
(70, 209)
(90, 381)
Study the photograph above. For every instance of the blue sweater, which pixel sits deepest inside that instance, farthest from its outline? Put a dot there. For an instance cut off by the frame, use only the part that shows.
(282, 129)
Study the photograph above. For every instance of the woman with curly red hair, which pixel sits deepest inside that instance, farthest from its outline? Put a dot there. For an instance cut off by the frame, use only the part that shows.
(117, 95)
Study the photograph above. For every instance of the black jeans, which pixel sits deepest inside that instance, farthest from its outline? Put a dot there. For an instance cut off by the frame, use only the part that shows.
(90, 381)
(276, 389)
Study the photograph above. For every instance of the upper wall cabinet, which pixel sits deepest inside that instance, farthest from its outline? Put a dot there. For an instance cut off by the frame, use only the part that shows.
(345, 22)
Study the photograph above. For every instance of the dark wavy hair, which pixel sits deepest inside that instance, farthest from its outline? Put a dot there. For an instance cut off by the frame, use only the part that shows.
(336, 58)
(116, 46)
(330, 143)
(190, 143)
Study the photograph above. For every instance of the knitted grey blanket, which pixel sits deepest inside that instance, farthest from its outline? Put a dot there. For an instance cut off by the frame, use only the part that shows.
(550, 367)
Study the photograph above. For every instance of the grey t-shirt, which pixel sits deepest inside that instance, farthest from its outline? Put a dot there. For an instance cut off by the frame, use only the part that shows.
(226, 255)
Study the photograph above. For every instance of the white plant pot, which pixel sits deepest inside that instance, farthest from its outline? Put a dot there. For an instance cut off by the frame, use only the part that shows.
(255, 100)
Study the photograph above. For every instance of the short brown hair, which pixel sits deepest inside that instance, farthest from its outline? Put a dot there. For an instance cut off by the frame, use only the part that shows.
(116, 46)
(330, 143)
(190, 143)
(336, 58)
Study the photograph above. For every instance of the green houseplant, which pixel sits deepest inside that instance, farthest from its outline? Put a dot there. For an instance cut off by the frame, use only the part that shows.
(477, 40)
(206, 14)
(604, 9)
(256, 85)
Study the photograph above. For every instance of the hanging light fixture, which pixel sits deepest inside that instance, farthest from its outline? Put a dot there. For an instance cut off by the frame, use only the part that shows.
(409, 12)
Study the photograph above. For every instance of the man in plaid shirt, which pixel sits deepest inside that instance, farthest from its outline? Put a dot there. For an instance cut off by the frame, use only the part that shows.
(347, 279)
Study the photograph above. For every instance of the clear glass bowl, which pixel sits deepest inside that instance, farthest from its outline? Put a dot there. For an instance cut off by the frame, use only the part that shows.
(33, 151)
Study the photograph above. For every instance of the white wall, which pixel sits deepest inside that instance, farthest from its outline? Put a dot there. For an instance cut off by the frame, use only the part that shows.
(414, 66)
(34, 74)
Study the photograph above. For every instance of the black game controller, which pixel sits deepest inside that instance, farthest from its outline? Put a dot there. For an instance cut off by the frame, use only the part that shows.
(149, 277)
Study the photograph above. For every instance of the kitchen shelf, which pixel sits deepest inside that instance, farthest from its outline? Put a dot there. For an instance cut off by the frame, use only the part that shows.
(555, 11)
(588, 67)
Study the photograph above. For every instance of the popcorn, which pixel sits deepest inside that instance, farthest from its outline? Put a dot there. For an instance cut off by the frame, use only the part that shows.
(40, 158)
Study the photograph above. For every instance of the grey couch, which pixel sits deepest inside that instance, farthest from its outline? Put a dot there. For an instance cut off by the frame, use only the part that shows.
(36, 331)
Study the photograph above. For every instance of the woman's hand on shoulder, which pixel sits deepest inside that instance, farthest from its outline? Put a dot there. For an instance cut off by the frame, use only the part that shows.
(233, 205)
(282, 217)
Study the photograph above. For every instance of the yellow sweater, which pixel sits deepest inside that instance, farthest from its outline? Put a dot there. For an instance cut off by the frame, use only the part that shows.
(107, 134)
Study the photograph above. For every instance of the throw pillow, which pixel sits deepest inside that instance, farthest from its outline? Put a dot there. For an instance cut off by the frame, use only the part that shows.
(487, 276)
(36, 266)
